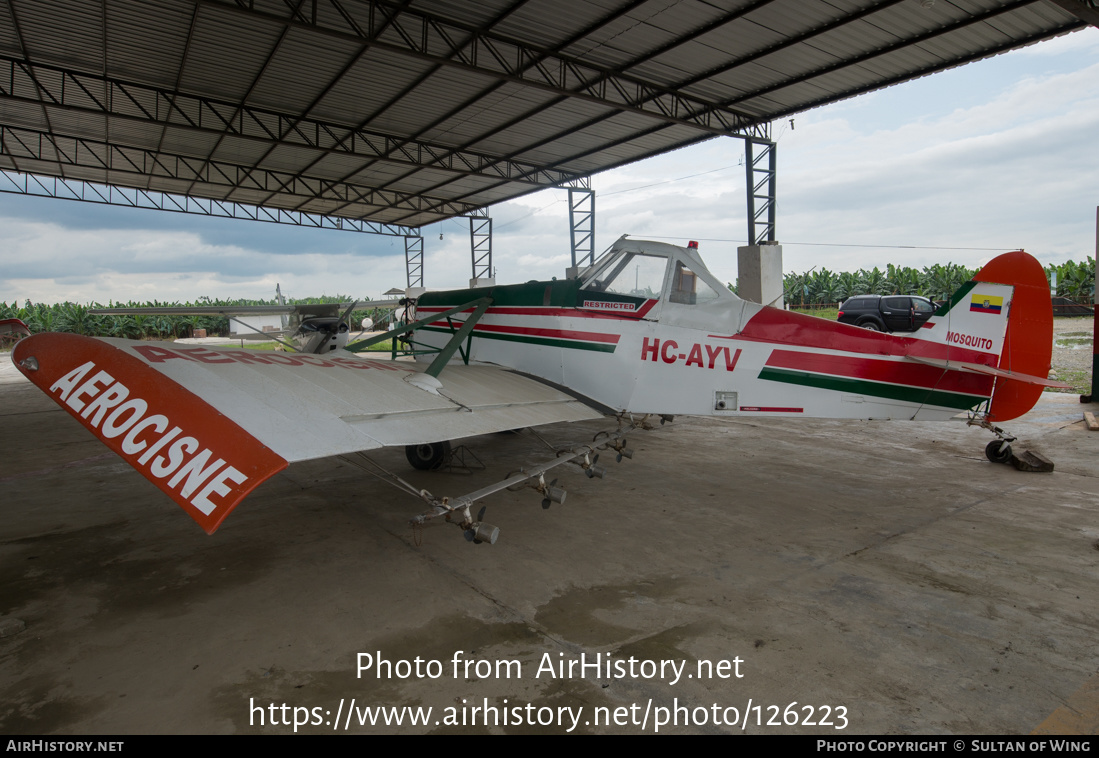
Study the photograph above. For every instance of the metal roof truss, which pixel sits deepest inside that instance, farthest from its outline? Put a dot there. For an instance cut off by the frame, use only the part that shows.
(404, 113)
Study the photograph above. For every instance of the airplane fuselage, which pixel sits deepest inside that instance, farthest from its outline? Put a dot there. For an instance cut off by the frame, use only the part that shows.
(685, 344)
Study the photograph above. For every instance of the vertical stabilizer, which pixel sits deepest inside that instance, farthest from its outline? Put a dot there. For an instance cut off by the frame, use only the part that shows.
(1001, 319)
(1028, 345)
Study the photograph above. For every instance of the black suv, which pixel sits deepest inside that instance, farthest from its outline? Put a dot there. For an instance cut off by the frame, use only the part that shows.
(886, 313)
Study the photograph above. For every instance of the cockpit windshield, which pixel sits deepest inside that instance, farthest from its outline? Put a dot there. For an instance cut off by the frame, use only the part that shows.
(633, 274)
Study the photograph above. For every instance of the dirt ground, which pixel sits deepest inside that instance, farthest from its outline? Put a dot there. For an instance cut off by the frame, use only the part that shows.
(1072, 352)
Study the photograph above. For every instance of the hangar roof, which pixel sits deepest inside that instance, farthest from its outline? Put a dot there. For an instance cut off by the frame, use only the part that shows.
(409, 112)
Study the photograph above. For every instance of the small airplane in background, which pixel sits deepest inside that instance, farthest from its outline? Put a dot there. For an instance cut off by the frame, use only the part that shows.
(645, 333)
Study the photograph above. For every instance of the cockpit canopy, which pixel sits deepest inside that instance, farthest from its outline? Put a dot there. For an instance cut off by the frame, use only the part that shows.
(653, 271)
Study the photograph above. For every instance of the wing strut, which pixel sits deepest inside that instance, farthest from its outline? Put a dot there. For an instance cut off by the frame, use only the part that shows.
(272, 336)
(360, 346)
(455, 342)
(480, 305)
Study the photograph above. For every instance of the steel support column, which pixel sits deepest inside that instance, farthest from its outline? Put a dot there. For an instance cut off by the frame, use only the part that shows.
(582, 220)
(760, 164)
(414, 260)
(480, 245)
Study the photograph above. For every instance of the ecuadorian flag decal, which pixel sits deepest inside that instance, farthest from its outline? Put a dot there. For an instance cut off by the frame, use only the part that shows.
(986, 304)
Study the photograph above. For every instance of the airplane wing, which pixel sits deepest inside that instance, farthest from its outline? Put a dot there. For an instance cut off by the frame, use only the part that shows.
(307, 309)
(237, 312)
(207, 425)
(326, 309)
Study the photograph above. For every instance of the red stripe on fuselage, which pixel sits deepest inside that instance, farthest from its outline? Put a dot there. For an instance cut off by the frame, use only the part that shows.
(775, 326)
(771, 409)
(890, 372)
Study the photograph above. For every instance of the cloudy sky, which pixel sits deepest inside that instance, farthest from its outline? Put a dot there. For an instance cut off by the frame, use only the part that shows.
(1001, 154)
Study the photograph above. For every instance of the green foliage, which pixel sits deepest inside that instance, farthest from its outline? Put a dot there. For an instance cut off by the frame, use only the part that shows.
(938, 282)
(831, 314)
(816, 287)
(380, 347)
(1074, 280)
(77, 319)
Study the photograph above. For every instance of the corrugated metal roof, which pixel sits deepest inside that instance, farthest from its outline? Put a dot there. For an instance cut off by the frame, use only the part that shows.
(411, 112)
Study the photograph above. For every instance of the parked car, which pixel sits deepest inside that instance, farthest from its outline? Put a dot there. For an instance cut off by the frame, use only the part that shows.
(887, 313)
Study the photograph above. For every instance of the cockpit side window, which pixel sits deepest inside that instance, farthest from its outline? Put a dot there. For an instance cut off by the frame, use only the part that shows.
(635, 275)
(689, 288)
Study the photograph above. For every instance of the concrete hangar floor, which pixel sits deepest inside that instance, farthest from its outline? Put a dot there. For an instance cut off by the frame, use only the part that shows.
(770, 577)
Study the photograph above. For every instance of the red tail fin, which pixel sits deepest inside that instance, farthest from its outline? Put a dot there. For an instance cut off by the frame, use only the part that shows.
(1028, 344)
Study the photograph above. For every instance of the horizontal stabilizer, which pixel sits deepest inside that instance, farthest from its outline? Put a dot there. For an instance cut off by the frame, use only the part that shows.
(976, 368)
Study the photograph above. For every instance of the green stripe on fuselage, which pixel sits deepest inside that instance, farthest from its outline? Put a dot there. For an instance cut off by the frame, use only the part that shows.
(599, 347)
(956, 298)
(558, 293)
(874, 389)
(561, 293)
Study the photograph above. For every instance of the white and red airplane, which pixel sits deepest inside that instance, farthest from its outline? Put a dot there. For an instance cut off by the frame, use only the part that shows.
(645, 330)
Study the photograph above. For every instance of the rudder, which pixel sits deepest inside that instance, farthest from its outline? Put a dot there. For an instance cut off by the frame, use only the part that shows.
(1028, 344)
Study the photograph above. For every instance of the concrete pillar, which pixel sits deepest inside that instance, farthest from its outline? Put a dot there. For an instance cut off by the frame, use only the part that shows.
(759, 274)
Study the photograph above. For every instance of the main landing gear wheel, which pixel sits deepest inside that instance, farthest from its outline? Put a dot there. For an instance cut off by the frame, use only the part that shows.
(994, 453)
(427, 456)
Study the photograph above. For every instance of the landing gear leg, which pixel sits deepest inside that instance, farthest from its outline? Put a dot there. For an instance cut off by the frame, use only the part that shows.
(999, 450)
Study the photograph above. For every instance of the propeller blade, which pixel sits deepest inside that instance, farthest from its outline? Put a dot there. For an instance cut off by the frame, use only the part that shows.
(346, 315)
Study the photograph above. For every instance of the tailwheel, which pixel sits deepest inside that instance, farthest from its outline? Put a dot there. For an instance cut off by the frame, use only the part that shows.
(998, 451)
(428, 456)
